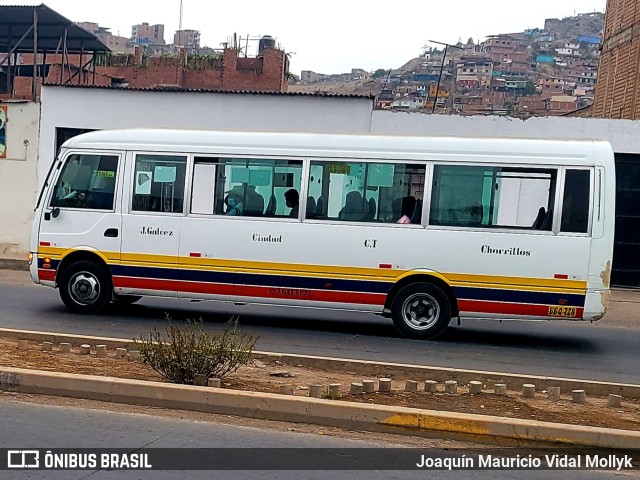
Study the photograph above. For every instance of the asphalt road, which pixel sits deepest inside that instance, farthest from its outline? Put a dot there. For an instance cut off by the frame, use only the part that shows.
(602, 351)
(27, 425)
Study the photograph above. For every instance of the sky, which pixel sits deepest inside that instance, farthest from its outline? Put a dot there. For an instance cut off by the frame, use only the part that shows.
(331, 36)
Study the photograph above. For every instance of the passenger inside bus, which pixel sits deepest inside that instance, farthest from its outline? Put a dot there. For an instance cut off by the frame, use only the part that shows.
(292, 200)
(408, 207)
(234, 201)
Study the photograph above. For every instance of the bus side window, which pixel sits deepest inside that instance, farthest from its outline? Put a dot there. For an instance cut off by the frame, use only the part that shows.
(575, 204)
(366, 192)
(158, 184)
(493, 197)
(257, 187)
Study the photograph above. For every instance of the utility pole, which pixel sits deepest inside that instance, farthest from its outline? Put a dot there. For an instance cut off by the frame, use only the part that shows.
(444, 56)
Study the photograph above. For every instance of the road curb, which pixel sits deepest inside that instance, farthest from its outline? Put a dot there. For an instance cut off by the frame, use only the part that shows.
(14, 264)
(265, 406)
(373, 369)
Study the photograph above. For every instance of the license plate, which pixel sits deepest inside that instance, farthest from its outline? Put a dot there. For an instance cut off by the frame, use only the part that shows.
(562, 311)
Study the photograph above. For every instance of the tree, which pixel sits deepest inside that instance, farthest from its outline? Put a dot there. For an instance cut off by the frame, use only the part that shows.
(380, 73)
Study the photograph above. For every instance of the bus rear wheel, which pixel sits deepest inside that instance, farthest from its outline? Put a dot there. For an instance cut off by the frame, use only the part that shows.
(421, 310)
(85, 287)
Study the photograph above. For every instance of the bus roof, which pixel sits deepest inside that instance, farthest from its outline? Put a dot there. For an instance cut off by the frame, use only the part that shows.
(265, 144)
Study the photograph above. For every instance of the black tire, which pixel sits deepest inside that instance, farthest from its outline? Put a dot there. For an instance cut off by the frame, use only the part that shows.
(85, 287)
(421, 310)
(125, 299)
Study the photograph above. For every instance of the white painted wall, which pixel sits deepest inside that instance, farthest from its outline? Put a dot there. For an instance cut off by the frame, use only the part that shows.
(624, 135)
(18, 178)
(95, 108)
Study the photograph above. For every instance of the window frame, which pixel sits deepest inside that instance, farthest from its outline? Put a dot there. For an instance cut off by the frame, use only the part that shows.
(132, 174)
(59, 170)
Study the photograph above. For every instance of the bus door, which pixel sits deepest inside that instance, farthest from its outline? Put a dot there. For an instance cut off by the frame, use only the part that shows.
(82, 211)
(208, 240)
(153, 205)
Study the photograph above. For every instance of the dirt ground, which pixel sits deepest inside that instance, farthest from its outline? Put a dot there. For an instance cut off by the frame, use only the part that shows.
(258, 377)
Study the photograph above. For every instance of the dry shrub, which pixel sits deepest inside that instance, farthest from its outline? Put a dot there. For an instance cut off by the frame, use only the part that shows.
(189, 351)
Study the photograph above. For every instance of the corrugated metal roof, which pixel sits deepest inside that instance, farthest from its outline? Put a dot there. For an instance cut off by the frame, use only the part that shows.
(178, 89)
(17, 19)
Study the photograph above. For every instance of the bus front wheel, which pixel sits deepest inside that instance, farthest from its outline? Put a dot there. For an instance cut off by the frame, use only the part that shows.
(421, 310)
(85, 287)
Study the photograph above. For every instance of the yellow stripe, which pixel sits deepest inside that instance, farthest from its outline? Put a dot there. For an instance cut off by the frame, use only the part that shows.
(356, 273)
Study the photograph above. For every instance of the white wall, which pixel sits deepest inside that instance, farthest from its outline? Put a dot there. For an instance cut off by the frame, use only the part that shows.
(96, 108)
(18, 178)
(624, 135)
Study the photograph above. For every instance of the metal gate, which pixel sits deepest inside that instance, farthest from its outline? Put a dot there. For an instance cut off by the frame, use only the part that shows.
(626, 250)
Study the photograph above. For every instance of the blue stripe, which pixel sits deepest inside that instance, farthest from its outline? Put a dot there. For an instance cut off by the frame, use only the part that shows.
(284, 281)
(519, 296)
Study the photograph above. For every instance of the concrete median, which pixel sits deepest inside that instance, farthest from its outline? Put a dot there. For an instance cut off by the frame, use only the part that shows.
(369, 368)
(375, 418)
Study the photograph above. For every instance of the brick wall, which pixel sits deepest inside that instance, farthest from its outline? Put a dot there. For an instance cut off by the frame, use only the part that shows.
(618, 88)
(266, 74)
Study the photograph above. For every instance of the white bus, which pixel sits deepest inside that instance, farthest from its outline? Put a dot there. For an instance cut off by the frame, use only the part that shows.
(418, 229)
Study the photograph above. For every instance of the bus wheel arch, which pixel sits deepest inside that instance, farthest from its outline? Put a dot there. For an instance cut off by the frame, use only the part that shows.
(84, 282)
(424, 296)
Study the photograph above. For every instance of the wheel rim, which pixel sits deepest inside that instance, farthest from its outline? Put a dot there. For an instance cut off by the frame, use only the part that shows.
(84, 288)
(420, 311)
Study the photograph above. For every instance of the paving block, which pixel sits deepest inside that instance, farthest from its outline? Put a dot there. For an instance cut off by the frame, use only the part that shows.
(356, 389)
(528, 390)
(384, 384)
(121, 353)
(334, 390)
(553, 394)
(410, 386)
(23, 345)
(475, 387)
(101, 350)
(431, 386)
(65, 348)
(500, 388)
(451, 386)
(369, 386)
(614, 400)
(133, 356)
(579, 396)
(200, 380)
(47, 346)
(85, 349)
(316, 391)
(214, 382)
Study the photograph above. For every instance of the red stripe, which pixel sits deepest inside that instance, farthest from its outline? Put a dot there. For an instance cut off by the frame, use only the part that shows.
(385, 265)
(561, 276)
(250, 291)
(479, 306)
(46, 275)
(45, 244)
(194, 254)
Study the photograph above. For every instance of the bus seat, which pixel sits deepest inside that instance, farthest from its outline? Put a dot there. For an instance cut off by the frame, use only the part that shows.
(417, 212)
(547, 223)
(254, 203)
(396, 209)
(311, 207)
(272, 206)
(320, 207)
(539, 219)
(371, 210)
(353, 210)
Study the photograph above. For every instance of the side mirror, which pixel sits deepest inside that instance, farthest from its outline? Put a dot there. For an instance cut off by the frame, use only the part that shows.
(55, 212)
